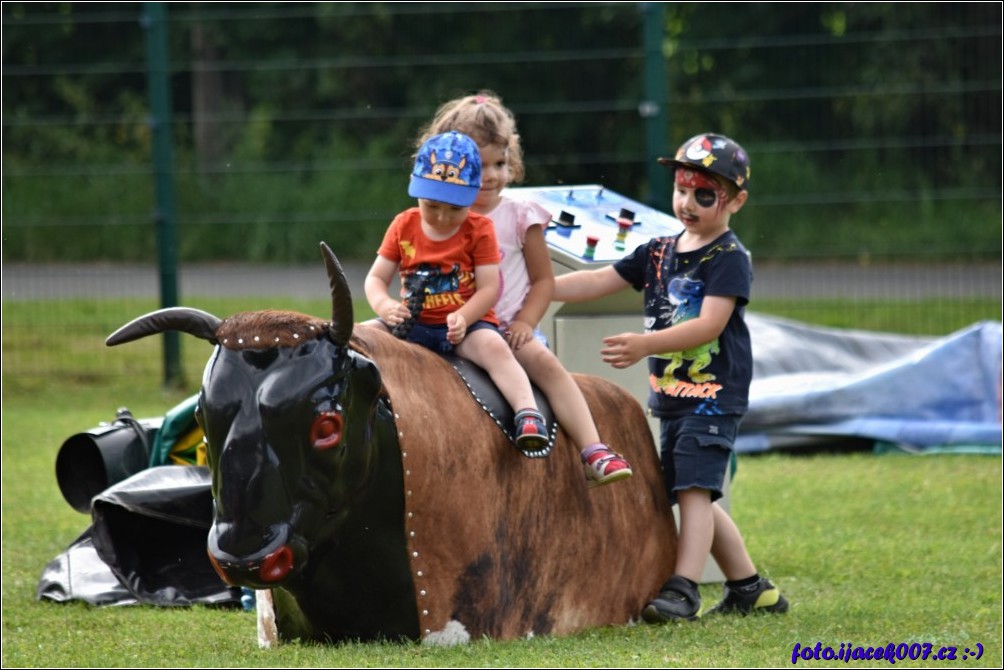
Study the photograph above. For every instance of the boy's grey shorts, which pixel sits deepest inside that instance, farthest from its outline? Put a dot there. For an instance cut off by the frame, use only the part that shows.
(696, 452)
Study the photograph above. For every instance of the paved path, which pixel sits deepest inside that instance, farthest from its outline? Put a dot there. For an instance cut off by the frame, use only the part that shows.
(793, 281)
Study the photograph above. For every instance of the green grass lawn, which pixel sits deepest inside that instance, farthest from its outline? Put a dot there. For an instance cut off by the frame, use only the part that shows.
(869, 549)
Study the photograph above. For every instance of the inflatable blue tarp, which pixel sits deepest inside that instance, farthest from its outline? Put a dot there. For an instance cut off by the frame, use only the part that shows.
(815, 386)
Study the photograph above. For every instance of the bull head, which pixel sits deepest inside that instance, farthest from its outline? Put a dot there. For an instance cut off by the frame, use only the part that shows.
(289, 413)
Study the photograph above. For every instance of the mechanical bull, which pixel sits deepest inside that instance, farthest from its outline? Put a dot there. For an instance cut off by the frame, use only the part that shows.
(357, 481)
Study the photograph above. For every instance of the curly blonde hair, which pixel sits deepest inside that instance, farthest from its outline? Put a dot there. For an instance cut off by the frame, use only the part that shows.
(484, 118)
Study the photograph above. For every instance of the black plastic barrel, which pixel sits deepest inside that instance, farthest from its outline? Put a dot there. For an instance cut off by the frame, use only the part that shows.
(90, 462)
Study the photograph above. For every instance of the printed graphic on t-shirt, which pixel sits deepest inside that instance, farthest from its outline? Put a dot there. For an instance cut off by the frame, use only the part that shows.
(684, 297)
(428, 286)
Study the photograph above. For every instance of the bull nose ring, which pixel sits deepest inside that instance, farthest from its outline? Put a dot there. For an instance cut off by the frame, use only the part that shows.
(277, 565)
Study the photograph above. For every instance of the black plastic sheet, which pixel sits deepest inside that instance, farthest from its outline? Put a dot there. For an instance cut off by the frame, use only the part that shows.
(146, 544)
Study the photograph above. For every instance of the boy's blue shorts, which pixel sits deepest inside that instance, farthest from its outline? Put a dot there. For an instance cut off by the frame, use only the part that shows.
(696, 452)
(434, 336)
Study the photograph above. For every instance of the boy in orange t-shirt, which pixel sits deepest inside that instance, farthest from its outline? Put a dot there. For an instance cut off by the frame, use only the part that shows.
(448, 260)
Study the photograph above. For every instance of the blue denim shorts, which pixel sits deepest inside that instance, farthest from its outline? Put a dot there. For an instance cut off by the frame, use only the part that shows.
(434, 336)
(696, 452)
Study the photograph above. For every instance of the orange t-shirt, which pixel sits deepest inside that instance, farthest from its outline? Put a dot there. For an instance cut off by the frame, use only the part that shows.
(442, 271)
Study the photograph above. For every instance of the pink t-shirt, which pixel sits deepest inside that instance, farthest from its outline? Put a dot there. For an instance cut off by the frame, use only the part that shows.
(443, 270)
(512, 218)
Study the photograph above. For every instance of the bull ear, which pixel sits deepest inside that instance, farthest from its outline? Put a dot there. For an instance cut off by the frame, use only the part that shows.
(185, 319)
(342, 318)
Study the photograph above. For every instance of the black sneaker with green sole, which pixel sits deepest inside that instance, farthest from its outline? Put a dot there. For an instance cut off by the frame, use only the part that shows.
(760, 597)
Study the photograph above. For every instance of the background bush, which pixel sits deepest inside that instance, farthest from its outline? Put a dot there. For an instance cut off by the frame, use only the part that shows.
(874, 129)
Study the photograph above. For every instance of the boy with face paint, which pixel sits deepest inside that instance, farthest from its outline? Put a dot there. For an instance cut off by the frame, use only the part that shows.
(696, 286)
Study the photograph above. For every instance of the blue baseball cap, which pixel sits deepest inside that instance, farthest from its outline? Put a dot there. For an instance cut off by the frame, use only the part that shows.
(447, 169)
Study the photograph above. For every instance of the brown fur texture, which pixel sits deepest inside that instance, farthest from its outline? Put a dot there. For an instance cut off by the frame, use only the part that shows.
(505, 546)
(268, 329)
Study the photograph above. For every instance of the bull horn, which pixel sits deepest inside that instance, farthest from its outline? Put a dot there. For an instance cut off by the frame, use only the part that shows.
(185, 319)
(342, 318)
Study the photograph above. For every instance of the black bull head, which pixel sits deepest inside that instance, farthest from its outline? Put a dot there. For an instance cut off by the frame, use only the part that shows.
(283, 387)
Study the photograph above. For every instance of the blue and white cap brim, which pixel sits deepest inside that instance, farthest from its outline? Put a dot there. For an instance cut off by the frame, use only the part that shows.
(459, 195)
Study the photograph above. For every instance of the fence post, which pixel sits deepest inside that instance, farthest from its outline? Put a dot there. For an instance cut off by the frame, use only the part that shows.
(158, 76)
(653, 108)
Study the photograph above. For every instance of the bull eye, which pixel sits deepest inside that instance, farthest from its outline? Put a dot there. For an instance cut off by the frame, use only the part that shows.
(326, 431)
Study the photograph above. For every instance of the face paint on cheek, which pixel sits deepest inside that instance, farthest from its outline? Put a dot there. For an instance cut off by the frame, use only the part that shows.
(707, 192)
(705, 197)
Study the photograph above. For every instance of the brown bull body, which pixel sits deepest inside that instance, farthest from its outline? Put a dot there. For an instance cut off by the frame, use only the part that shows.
(356, 477)
(507, 546)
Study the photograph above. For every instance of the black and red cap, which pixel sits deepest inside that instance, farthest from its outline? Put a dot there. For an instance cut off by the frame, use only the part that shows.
(716, 154)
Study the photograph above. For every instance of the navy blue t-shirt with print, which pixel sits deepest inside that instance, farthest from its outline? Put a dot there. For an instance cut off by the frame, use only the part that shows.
(713, 378)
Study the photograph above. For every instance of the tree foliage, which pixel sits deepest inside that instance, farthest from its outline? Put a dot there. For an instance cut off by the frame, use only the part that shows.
(294, 122)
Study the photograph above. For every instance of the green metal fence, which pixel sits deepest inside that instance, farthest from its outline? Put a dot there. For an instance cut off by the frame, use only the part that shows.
(874, 131)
